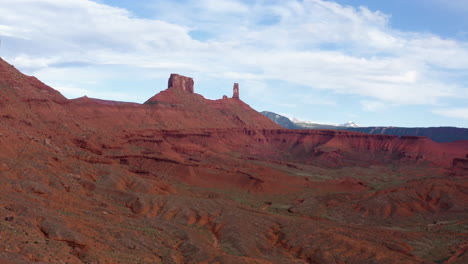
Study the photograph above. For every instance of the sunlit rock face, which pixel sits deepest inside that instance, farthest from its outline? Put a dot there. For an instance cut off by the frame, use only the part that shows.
(180, 82)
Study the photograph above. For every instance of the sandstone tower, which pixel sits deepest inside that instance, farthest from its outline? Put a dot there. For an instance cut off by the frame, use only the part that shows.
(235, 94)
(180, 82)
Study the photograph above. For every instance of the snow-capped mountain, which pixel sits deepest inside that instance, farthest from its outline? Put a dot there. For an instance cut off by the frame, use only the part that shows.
(349, 124)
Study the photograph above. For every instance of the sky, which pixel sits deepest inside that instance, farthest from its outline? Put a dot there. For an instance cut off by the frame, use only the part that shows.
(377, 63)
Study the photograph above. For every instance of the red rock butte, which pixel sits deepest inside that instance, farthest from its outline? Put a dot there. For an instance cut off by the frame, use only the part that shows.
(183, 179)
(180, 82)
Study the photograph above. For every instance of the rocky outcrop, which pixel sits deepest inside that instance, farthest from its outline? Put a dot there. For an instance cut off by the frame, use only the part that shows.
(179, 104)
(180, 82)
(235, 91)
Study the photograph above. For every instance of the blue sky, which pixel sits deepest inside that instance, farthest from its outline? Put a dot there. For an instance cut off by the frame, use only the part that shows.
(393, 63)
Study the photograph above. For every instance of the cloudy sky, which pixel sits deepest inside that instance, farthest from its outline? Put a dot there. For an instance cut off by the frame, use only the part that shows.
(397, 63)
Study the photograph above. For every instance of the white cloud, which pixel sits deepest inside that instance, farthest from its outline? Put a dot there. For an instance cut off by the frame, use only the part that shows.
(74, 92)
(227, 6)
(461, 113)
(373, 106)
(312, 44)
(84, 29)
(27, 61)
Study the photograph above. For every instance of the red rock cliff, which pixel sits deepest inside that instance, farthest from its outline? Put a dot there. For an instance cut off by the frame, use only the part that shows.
(180, 82)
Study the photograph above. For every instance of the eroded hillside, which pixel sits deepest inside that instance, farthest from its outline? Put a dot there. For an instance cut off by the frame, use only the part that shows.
(183, 179)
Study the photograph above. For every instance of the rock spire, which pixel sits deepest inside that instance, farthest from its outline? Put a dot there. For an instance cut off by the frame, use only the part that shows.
(235, 91)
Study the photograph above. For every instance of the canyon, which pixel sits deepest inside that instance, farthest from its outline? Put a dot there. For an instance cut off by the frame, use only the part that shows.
(184, 179)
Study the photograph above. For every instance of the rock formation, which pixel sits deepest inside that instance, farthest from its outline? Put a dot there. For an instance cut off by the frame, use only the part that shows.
(180, 82)
(235, 91)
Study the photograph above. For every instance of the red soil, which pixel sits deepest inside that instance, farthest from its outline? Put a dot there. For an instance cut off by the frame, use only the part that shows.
(183, 179)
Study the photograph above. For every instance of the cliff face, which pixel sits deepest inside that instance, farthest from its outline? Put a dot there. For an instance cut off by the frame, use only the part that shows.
(182, 179)
(181, 83)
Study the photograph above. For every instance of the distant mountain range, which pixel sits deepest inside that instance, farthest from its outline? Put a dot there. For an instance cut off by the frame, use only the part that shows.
(350, 124)
(437, 134)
